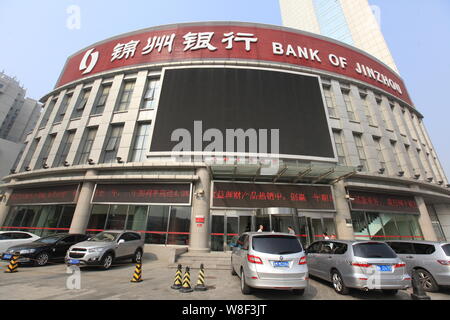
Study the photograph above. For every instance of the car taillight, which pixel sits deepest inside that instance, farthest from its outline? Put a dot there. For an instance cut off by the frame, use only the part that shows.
(444, 262)
(400, 265)
(302, 260)
(254, 259)
(362, 265)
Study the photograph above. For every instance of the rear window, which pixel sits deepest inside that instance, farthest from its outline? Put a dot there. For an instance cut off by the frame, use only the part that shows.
(373, 250)
(276, 244)
(446, 248)
(421, 248)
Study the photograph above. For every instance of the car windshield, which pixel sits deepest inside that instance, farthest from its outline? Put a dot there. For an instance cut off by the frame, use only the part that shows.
(50, 239)
(105, 237)
(276, 244)
(446, 248)
(373, 250)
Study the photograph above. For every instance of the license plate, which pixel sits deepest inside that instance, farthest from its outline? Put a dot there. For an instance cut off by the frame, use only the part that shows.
(74, 261)
(7, 256)
(384, 268)
(281, 264)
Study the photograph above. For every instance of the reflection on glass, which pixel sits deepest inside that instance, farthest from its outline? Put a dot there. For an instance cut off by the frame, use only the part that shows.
(180, 221)
(116, 218)
(137, 218)
(157, 224)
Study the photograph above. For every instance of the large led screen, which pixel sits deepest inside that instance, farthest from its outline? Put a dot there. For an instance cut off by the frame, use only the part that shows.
(212, 104)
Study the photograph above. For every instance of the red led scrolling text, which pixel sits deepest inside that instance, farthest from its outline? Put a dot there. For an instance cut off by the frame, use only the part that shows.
(391, 202)
(263, 196)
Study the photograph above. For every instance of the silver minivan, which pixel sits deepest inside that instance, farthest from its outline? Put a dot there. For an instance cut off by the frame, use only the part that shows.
(269, 261)
(366, 265)
(430, 259)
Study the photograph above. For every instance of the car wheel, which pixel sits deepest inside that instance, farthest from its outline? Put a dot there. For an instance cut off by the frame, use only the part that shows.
(390, 292)
(41, 259)
(298, 292)
(338, 283)
(427, 281)
(107, 261)
(245, 289)
(137, 256)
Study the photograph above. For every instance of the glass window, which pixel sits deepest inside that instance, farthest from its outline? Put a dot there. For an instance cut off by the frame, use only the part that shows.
(30, 154)
(401, 247)
(86, 146)
(339, 248)
(381, 159)
(47, 113)
(360, 229)
(112, 144)
(373, 250)
(179, 225)
(339, 147)
(141, 142)
(446, 248)
(42, 160)
(116, 217)
(370, 118)
(157, 224)
(329, 99)
(17, 235)
(150, 94)
(315, 247)
(421, 248)
(63, 108)
(361, 152)
(274, 244)
(349, 106)
(125, 97)
(408, 226)
(66, 217)
(64, 148)
(79, 108)
(98, 217)
(99, 106)
(137, 218)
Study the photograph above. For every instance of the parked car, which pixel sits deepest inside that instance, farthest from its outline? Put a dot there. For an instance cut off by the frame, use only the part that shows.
(41, 251)
(105, 248)
(366, 265)
(12, 238)
(430, 259)
(269, 261)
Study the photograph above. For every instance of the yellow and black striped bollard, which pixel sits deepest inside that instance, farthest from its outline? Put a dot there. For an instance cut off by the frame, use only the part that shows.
(177, 282)
(13, 264)
(186, 287)
(137, 276)
(201, 280)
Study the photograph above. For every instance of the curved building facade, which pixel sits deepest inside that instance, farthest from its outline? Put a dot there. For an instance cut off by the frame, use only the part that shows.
(194, 133)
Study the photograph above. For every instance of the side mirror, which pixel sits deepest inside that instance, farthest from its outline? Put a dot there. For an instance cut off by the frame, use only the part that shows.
(121, 241)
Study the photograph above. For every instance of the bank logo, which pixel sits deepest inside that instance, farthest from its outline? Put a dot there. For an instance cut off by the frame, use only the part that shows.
(94, 59)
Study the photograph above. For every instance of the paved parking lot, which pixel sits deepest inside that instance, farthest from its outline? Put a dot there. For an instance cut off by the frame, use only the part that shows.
(49, 282)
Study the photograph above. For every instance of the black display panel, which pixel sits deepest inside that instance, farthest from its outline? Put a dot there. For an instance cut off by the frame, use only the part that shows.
(234, 98)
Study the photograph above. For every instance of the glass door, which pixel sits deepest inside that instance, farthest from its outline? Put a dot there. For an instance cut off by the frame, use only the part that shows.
(231, 231)
(217, 232)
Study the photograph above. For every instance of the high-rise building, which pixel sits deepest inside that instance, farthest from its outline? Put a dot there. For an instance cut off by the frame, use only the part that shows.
(18, 116)
(350, 21)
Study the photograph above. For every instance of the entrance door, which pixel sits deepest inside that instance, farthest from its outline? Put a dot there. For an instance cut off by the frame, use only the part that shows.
(227, 226)
(315, 229)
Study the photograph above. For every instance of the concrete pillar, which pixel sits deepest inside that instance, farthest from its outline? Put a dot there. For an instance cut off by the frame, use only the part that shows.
(83, 209)
(344, 231)
(199, 232)
(4, 209)
(443, 213)
(425, 221)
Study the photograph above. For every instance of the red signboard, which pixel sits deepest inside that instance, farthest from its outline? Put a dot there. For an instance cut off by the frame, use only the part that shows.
(44, 195)
(232, 41)
(382, 202)
(268, 195)
(145, 193)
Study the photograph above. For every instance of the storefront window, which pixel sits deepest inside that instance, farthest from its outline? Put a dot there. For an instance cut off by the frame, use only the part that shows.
(137, 218)
(98, 218)
(157, 225)
(385, 226)
(117, 217)
(180, 221)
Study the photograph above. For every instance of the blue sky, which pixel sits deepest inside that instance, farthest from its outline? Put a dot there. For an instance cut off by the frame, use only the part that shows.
(36, 41)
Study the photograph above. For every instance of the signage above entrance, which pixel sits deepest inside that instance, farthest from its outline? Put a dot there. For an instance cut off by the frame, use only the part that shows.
(143, 193)
(44, 195)
(365, 201)
(269, 195)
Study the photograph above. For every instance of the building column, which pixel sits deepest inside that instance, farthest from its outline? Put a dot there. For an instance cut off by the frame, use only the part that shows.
(343, 229)
(83, 209)
(4, 209)
(425, 221)
(443, 213)
(199, 232)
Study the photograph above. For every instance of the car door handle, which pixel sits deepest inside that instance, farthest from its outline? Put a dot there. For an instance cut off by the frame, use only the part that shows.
(329, 257)
(409, 257)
